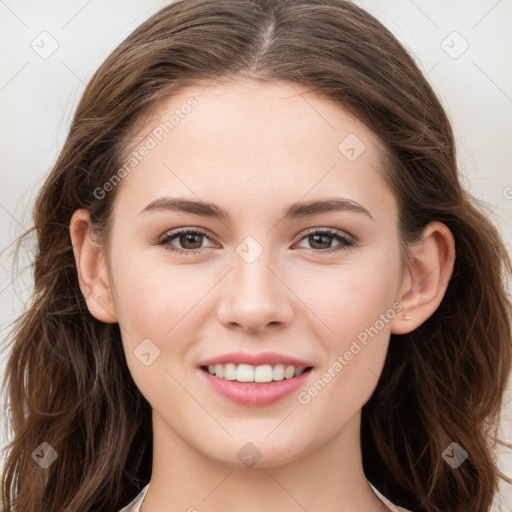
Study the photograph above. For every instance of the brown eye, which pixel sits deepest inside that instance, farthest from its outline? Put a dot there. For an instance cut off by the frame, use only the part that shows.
(321, 240)
(190, 241)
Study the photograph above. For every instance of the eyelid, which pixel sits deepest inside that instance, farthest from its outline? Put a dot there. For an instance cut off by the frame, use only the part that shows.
(345, 239)
(165, 239)
(203, 231)
(330, 231)
(189, 229)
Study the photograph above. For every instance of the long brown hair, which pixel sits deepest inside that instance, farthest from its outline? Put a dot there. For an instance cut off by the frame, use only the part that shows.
(68, 381)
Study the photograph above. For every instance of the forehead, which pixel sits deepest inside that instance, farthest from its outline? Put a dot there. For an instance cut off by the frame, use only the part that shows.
(273, 143)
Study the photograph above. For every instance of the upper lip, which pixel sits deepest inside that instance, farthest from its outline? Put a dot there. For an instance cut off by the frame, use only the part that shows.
(256, 359)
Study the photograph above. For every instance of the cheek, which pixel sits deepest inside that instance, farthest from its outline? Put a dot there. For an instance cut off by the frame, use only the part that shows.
(352, 297)
(357, 303)
(355, 355)
(367, 300)
(159, 308)
(152, 295)
(151, 303)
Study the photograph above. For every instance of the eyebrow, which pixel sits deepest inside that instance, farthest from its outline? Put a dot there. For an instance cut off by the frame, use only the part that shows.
(296, 210)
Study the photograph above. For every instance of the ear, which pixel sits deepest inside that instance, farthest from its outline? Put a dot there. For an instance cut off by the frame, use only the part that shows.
(426, 278)
(92, 269)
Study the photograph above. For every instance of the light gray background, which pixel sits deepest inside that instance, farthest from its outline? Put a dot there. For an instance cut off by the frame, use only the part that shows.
(39, 92)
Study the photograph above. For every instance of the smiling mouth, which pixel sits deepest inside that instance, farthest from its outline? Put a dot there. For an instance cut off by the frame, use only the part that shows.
(263, 374)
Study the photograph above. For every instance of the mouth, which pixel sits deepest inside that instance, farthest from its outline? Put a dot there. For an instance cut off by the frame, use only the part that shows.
(262, 374)
(250, 379)
(251, 386)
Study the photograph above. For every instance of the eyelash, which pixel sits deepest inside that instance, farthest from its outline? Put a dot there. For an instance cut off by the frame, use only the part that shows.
(165, 241)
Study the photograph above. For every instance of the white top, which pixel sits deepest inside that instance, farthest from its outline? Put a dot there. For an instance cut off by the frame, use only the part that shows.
(135, 504)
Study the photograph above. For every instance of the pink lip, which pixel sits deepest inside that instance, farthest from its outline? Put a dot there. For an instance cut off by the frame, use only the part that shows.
(252, 394)
(256, 359)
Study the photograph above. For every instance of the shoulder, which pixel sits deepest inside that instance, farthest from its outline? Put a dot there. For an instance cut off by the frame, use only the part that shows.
(134, 505)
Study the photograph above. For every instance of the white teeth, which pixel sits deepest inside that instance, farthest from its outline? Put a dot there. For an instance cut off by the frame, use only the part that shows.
(263, 373)
(219, 370)
(278, 372)
(244, 373)
(249, 373)
(230, 371)
(298, 371)
(289, 372)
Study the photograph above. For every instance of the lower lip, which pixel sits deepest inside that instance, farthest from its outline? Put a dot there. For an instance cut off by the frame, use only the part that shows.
(252, 394)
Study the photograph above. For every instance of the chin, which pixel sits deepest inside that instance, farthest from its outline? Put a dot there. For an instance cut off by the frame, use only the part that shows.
(259, 453)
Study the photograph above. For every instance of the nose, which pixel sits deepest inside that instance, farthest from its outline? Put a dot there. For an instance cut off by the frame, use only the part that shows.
(255, 297)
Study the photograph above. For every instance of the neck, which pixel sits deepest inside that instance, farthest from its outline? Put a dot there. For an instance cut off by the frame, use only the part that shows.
(329, 479)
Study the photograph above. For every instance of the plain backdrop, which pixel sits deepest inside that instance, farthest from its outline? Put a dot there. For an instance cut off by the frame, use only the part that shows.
(50, 50)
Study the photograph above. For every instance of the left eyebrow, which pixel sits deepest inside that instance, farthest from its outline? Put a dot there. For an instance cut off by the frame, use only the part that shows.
(328, 205)
(206, 209)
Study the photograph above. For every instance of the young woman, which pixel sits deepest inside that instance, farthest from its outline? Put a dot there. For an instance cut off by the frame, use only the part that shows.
(259, 283)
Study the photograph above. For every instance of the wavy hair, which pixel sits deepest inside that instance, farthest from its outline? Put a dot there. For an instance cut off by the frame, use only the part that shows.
(67, 378)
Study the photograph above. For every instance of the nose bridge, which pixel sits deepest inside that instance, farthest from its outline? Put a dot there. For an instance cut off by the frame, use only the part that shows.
(251, 274)
(255, 296)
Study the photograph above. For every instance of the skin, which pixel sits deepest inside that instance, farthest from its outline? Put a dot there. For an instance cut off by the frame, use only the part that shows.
(254, 150)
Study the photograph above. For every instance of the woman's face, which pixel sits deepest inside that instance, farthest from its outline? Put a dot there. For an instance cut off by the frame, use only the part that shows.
(266, 277)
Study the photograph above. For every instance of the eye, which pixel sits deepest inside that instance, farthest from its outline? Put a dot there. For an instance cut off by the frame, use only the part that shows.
(324, 238)
(190, 239)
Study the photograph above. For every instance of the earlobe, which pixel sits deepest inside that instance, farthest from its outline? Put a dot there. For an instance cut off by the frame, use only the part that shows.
(431, 266)
(91, 269)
